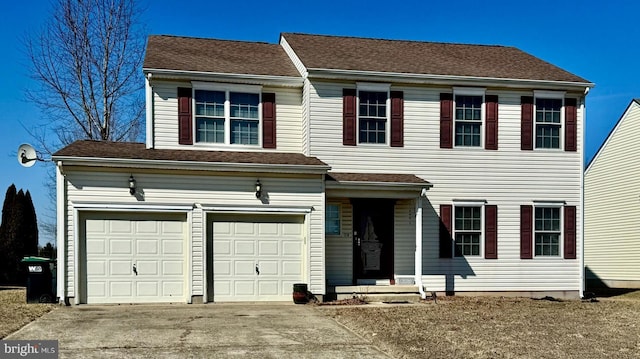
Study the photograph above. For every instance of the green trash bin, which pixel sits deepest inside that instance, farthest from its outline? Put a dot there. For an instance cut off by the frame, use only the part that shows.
(41, 279)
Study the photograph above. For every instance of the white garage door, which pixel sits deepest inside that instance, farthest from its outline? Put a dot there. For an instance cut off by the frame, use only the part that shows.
(256, 257)
(132, 258)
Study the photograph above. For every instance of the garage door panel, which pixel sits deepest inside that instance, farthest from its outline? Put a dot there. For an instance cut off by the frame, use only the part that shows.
(291, 248)
(147, 288)
(120, 246)
(173, 246)
(121, 289)
(120, 268)
(273, 242)
(116, 241)
(172, 268)
(120, 226)
(146, 268)
(266, 248)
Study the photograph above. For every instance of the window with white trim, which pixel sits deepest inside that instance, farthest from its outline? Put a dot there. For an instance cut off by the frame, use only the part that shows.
(468, 120)
(547, 231)
(372, 117)
(227, 117)
(548, 124)
(467, 229)
(332, 220)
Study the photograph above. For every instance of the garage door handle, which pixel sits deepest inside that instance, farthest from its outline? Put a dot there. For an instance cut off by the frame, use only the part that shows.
(257, 270)
(135, 270)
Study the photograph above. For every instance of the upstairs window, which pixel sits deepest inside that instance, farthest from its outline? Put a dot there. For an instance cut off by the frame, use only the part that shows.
(372, 117)
(227, 117)
(468, 121)
(548, 122)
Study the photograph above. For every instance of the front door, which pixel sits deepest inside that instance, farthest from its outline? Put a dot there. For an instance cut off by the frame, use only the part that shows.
(373, 239)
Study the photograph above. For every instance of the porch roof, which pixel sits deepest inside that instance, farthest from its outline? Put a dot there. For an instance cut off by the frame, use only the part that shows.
(388, 185)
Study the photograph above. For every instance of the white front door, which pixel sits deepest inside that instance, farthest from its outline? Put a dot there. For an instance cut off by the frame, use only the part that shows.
(256, 257)
(134, 258)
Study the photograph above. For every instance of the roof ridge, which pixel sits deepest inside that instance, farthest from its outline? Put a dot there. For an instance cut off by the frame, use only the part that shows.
(212, 38)
(397, 40)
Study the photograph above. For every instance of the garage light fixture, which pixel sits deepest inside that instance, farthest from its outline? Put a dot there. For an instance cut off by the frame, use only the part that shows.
(258, 189)
(132, 185)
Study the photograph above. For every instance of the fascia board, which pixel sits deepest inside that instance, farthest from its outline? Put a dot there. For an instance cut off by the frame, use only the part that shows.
(195, 166)
(289, 81)
(338, 74)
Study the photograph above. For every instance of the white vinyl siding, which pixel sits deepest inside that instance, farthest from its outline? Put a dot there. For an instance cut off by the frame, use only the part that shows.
(165, 121)
(340, 247)
(515, 178)
(85, 185)
(612, 205)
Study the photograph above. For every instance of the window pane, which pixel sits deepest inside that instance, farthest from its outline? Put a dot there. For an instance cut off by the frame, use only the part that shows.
(244, 132)
(372, 130)
(209, 130)
(244, 105)
(332, 220)
(209, 103)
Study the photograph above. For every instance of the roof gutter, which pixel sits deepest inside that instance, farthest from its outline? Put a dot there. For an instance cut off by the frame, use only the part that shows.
(289, 81)
(335, 74)
(191, 165)
(377, 185)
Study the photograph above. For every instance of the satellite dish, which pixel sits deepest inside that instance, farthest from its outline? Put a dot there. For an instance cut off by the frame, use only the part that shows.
(27, 156)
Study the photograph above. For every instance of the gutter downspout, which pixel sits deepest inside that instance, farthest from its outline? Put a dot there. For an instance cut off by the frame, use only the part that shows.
(582, 268)
(418, 253)
(61, 281)
(148, 90)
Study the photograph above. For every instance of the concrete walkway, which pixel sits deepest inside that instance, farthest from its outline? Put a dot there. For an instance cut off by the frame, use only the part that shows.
(197, 331)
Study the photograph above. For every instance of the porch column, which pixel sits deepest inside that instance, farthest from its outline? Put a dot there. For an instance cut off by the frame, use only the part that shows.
(418, 253)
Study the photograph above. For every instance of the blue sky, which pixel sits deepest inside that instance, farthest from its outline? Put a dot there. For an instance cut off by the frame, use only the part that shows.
(593, 39)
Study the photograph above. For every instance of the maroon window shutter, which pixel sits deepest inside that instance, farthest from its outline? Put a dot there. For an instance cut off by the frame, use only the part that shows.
(570, 232)
(526, 232)
(526, 127)
(349, 117)
(397, 119)
(185, 118)
(446, 241)
(570, 125)
(446, 120)
(491, 134)
(491, 232)
(268, 120)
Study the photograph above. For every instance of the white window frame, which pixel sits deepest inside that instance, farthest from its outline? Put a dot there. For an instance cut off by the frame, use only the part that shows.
(469, 203)
(551, 95)
(374, 87)
(560, 206)
(471, 91)
(339, 207)
(227, 89)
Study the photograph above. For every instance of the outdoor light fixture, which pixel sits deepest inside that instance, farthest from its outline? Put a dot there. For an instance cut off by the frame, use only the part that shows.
(132, 185)
(258, 189)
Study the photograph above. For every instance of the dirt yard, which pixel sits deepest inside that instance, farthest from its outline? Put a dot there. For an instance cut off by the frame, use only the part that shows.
(486, 327)
(15, 312)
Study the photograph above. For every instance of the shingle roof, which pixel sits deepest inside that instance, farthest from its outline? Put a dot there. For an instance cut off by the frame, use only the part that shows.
(376, 177)
(217, 56)
(138, 151)
(428, 58)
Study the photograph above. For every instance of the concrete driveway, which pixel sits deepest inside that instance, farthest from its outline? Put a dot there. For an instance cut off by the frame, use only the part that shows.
(198, 331)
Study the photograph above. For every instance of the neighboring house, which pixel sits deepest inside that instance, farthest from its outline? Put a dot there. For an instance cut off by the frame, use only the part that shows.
(330, 161)
(612, 207)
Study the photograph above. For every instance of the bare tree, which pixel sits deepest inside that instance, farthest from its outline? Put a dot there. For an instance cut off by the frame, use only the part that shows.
(87, 64)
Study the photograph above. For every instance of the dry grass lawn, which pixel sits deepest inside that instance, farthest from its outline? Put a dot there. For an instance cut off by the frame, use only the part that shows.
(486, 327)
(15, 312)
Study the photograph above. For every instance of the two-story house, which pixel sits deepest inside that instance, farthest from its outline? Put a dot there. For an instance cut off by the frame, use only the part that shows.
(331, 161)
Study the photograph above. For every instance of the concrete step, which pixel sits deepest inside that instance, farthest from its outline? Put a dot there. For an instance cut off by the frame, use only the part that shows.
(383, 297)
(373, 289)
